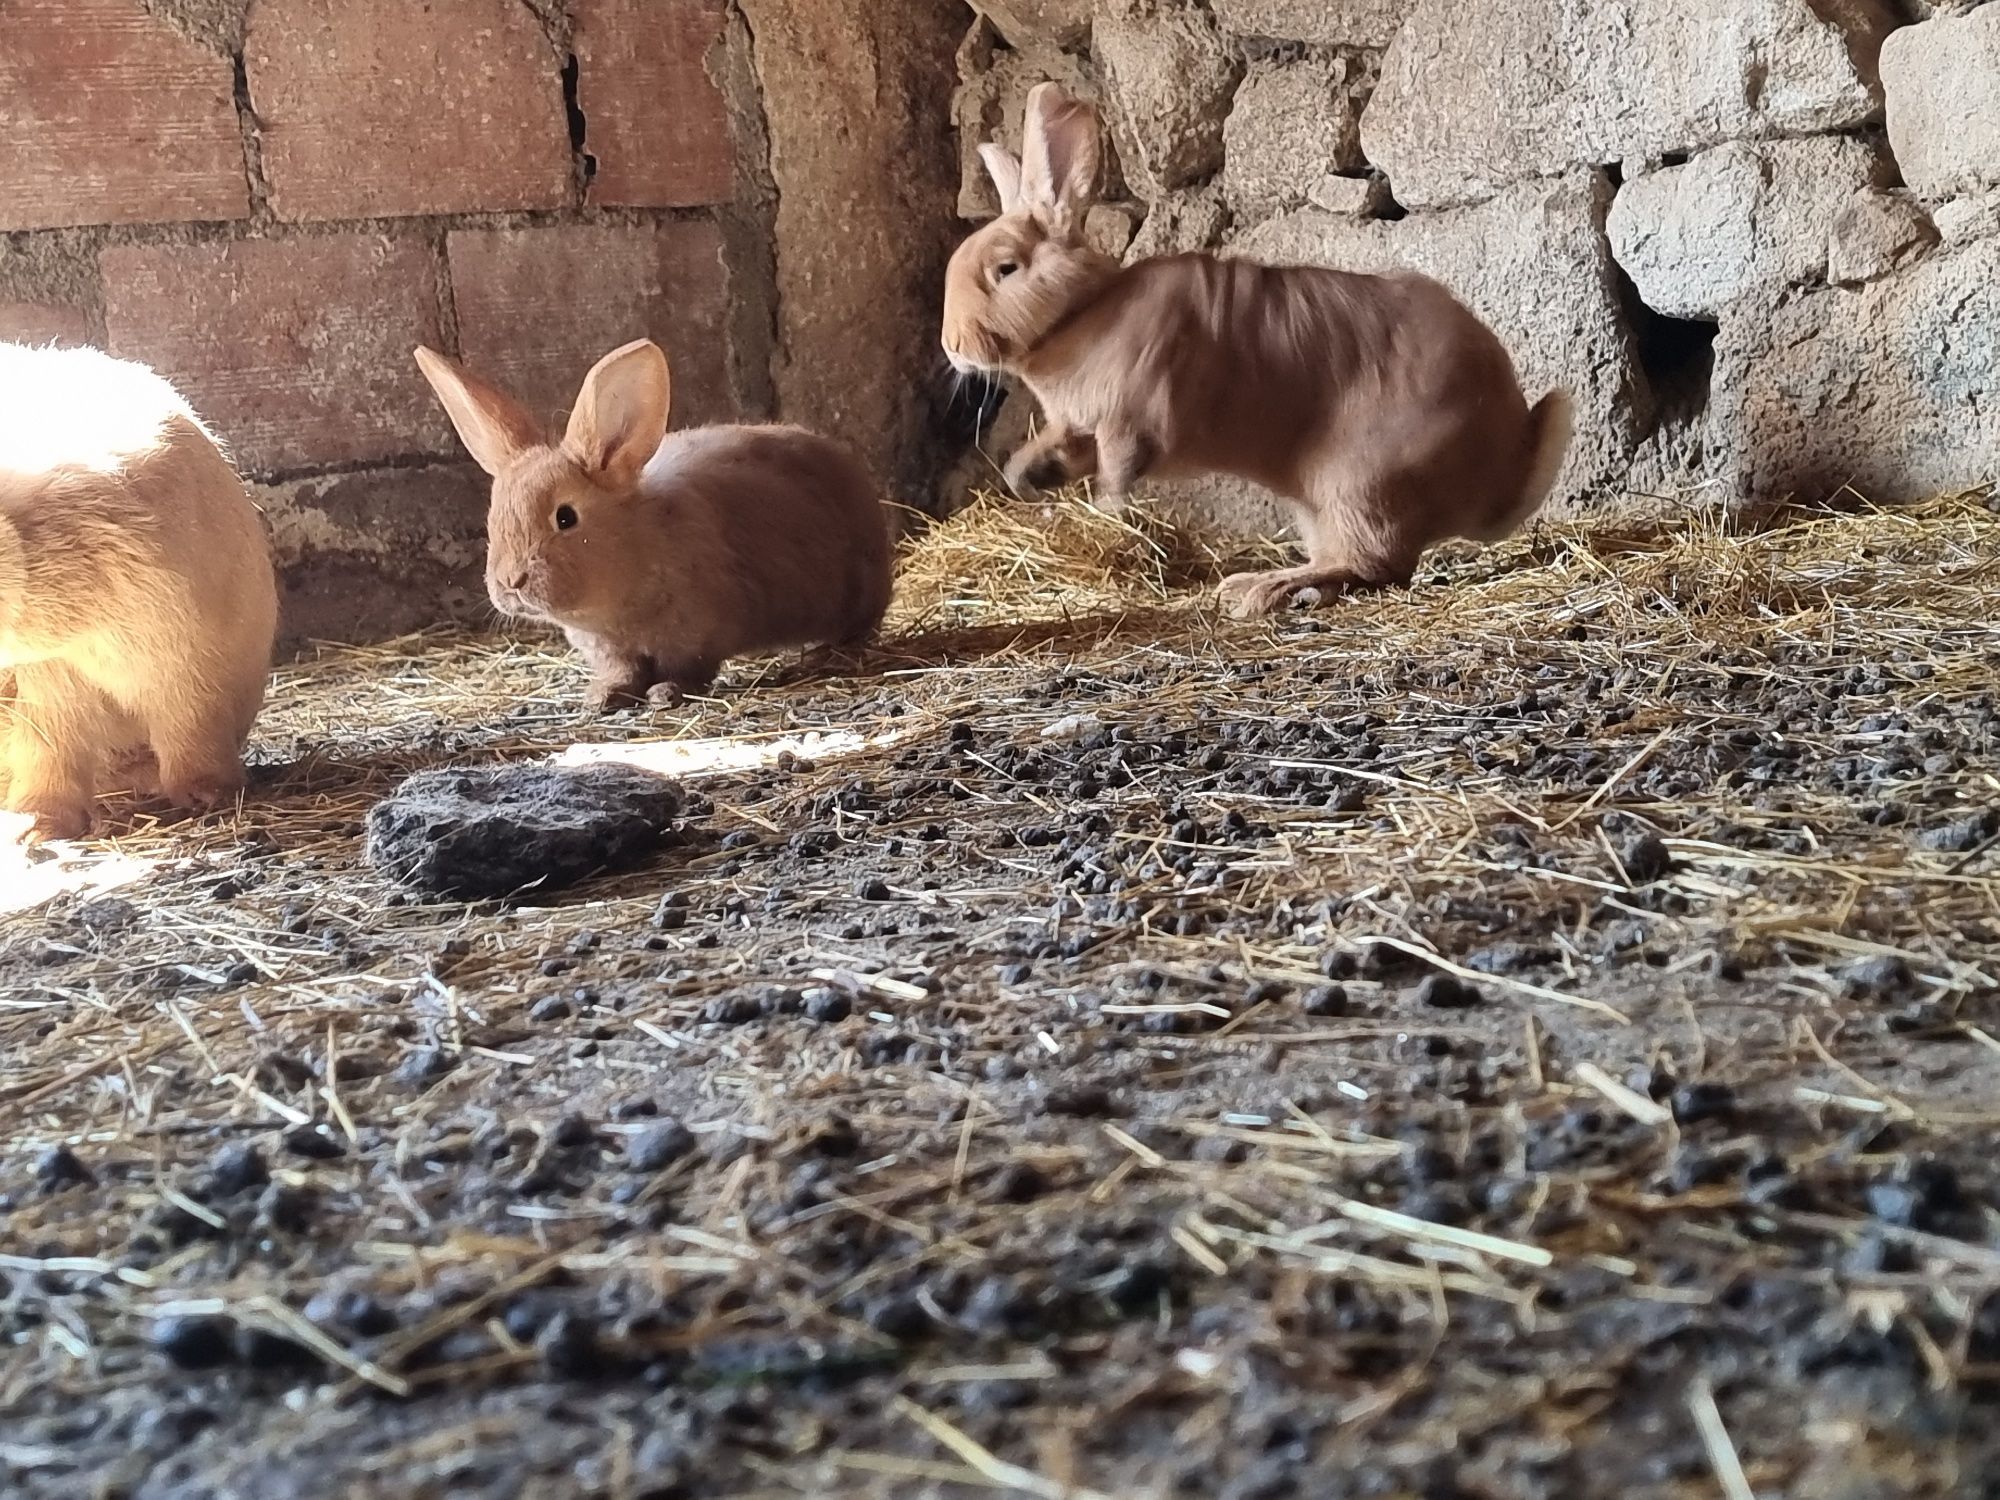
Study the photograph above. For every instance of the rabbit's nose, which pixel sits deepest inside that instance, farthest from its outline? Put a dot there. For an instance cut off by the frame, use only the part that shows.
(515, 579)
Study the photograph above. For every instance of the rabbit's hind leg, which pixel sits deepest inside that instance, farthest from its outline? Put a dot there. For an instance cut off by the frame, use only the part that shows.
(59, 722)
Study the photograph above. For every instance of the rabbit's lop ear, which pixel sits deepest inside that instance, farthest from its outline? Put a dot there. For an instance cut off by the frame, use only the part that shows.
(495, 428)
(621, 418)
(1005, 170)
(1062, 151)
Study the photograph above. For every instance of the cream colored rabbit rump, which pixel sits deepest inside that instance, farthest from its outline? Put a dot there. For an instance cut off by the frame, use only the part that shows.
(661, 557)
(137, 602)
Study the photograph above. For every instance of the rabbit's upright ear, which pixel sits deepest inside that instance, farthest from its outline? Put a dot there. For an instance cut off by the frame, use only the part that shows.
(1062, 151)
(495, 428)
(621, 417)
(1005, 170)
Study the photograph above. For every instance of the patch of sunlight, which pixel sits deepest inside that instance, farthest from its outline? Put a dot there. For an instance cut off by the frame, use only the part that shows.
(693, 759)
(33, 877)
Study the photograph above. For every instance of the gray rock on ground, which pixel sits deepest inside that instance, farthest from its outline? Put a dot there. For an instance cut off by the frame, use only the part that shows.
(501, 831)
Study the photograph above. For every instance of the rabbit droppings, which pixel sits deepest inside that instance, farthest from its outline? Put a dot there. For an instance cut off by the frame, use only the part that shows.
(659, 556)
(137, 602)
(1386, 413)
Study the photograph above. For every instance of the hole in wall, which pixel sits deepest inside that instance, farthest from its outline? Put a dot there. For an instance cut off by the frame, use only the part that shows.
(1677, 358)
(1673, 158)
(579, 127)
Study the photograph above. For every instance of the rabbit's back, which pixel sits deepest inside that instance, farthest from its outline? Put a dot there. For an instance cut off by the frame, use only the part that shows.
(784, 531)
(130, 522)
(137, 601)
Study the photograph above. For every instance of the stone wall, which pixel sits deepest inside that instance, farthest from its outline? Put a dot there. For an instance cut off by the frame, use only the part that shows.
(273, 201)
(1759, 239)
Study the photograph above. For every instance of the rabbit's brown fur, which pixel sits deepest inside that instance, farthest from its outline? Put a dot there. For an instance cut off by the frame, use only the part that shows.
(137, 601)
(663, 556)
(1380, 406)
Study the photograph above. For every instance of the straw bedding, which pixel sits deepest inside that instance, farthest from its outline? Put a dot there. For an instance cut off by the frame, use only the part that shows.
(1532, 1033)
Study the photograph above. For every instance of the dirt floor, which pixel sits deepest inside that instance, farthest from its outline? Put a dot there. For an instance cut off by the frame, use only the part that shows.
(1531, 1035)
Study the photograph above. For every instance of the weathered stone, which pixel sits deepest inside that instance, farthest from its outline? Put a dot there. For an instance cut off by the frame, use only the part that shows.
(107, 116)
(1110, 228)
(1032, 24)
(378, 107)
(378, 554)
(990, 106)
(1182, 222)
(655, 119)
(1535, 265)
(1741, 220)
(1877, 233)
(498, 832)
(1476, 96)
(538, 307)
(1357, 197)
(297, 350)
(1295, 121)
(1168, 80)
(1892, 389)
(1963, 220)
(865, 179)
(1942, 83)
(1328, 23)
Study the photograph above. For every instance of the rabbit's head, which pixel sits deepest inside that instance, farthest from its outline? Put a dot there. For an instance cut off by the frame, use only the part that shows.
(565, 540)
(1020, 277)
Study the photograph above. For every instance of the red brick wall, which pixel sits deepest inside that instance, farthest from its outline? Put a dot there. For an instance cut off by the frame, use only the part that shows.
(273, 201)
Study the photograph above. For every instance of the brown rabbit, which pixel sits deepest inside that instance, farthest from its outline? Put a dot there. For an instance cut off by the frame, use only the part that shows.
(661, 557)
(1379, 406)
(137, 602)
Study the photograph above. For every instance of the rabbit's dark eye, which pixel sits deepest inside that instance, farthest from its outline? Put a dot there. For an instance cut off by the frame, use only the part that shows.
(1005, 269)
(565, 518)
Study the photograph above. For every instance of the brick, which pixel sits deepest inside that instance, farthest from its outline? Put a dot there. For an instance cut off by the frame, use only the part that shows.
(43, 323)
(296, 351)
(109, 116)
(538, 307)
(387, 108)
(654, 118)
